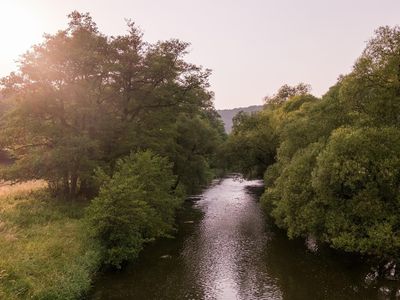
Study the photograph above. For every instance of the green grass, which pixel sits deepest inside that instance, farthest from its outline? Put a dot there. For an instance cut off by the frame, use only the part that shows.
(45, 252)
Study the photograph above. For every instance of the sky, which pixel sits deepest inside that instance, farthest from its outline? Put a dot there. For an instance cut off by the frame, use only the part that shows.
(252, 46)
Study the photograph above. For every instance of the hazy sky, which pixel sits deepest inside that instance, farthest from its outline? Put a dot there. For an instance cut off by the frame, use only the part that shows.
(253, 46)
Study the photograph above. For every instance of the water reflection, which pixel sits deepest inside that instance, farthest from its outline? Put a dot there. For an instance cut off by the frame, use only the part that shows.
(226, 252)
(225, 249)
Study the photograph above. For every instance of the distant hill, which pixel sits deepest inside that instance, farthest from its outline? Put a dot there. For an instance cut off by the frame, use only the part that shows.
(228, 114)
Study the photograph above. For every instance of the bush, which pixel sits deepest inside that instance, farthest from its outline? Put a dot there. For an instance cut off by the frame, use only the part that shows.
(291, 198)
(134, 206)
(357, 180)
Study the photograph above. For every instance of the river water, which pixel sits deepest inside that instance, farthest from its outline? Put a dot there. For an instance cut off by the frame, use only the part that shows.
(225, 248)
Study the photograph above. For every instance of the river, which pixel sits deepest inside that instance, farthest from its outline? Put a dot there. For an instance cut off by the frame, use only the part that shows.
(225, 248)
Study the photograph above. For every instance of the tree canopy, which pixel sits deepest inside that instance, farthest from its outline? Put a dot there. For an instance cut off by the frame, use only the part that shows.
(135, 205)
(332, 171)
(82, 99)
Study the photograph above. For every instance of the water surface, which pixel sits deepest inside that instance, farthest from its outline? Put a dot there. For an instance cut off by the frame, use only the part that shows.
(225, 248)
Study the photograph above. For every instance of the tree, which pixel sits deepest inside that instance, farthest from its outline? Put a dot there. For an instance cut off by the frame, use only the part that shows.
(251, 147)
(290, 197)
(53, 127)
(256, 139)
(286, 92)
(356, 180)
(83, 100)
(371, 91)
(336, 170)
(135, 205)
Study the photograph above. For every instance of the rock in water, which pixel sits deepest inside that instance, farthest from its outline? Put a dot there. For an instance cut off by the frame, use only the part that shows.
(384, 290)
(311, 244)
(371, 277)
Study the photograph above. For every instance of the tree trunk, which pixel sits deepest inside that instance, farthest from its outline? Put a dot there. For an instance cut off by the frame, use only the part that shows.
(74, 184)
(176, 183)
(65, 187)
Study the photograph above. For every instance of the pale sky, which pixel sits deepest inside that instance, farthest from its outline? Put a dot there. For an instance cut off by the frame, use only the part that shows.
(253, 46)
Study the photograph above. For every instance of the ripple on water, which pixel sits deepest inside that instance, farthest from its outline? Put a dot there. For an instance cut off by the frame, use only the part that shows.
(227, 251)
(229, 244)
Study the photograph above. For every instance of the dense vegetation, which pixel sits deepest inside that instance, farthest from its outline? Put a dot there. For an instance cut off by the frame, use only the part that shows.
(227, 115)
(331, 165)
(83, 100)
(121, 130)
(127, 125)
(44, 248)
(135, 205)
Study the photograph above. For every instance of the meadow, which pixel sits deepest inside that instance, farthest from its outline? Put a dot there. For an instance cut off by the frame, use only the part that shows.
(44, 248)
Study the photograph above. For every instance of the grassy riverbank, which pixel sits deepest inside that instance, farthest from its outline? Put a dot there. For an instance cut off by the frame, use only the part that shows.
(44, 249)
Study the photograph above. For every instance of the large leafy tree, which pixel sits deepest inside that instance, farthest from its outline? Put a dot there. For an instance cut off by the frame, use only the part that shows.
(289, 196)
(372, 90)
(58, 112)
(253, 144)
(336, 171)
(251, 147)
(82, 100)
(356, 181)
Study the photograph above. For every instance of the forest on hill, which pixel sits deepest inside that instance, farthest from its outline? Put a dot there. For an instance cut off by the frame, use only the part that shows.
(227, 115)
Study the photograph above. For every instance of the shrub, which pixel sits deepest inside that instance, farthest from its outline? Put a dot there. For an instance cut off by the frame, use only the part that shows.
(135, 205)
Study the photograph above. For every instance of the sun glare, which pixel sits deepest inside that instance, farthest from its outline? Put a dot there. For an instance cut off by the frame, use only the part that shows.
(19, 28)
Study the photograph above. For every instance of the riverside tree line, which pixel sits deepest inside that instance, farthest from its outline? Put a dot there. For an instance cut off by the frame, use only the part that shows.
(331, 165)
(127, 122)
(131, 126)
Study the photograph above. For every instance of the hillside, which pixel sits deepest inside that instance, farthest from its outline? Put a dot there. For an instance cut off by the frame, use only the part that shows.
(228, 114)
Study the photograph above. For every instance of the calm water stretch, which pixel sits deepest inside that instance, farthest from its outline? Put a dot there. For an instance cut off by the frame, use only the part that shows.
(225, 248)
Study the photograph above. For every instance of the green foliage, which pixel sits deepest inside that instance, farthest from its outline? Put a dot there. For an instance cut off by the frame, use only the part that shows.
(356, 180)
(287, 92)
(291, 198)
(135, 205)
(196, 145)
(336, 175)
(372, 91)
(82, 100)
(45, 249)
(251, 147)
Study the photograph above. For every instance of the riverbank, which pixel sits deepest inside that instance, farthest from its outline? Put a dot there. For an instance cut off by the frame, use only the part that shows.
(223, 240)
(44, 248)
(228, 248)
